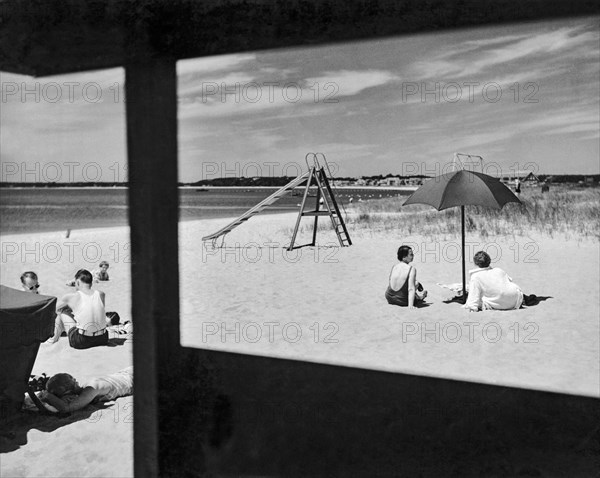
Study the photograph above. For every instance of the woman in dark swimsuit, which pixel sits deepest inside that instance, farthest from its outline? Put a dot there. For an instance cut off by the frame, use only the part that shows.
(403, 288)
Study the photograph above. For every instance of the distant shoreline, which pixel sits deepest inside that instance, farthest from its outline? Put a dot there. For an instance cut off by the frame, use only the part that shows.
(211, 188)
(40, 209)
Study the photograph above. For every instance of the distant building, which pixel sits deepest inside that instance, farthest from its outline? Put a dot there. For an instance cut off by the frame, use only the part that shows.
(391, 181)
(339, 182)
(413, 181)
(530, 180)
(527, 178)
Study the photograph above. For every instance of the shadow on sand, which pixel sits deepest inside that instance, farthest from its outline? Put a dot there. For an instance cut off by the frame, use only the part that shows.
(115, 342)
(530, 301)
(14, 431)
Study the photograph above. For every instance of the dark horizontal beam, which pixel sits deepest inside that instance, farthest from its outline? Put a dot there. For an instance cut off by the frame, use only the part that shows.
(316, 213)
(43, 37)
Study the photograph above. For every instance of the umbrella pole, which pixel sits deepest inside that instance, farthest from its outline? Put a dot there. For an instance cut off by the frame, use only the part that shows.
(464, 290)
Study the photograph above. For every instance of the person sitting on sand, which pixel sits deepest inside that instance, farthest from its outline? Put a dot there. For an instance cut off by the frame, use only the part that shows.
(89, 315)
(66, 395)
(102, 273)
(29, 282)
(490, 288)
(403, 288)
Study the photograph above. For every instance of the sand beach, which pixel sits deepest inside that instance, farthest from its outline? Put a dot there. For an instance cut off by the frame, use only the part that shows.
(318, 304)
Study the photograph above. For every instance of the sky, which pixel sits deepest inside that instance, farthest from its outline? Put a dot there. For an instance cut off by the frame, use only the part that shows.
(523, 96)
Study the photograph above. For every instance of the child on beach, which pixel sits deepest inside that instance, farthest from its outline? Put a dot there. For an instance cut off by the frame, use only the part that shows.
(66, 395)
(98, 274)
(102, 273)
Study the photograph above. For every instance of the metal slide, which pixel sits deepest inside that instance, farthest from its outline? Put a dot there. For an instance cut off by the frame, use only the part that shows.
(258, 208)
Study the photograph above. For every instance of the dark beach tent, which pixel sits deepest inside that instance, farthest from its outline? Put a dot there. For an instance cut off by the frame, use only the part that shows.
(26, 320)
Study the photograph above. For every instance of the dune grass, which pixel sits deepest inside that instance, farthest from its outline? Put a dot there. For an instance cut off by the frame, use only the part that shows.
(565, 211)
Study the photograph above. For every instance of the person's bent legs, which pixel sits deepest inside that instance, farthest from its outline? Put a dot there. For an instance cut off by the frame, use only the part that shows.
(62, 323)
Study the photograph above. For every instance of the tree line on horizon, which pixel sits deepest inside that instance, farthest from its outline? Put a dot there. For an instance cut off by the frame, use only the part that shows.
(279, 181)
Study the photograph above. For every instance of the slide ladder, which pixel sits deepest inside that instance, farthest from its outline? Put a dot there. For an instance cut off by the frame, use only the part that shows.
(326, 197)
(337, 220)
(259, 207)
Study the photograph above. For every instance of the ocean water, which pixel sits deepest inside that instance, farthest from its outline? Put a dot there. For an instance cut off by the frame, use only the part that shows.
(31, 210)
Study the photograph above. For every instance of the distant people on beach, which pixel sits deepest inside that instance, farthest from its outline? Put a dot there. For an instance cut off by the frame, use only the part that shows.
(403, 288)
(29, 282)
(101, 274)
(490, 288)
(86, 327)
(518, 186)
(66, 395)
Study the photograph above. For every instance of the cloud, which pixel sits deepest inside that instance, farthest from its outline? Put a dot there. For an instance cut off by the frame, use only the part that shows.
(346, 149)
(515, 87)
(576, 128)
(484, 42)
(236, 94)
(352, 82)
(567, 118)
(204, 88)
(211, 64)
(462, 60)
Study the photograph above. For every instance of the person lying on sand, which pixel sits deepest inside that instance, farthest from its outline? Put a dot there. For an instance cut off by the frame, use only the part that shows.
(403, 288)
(490, 288)
(66, 395)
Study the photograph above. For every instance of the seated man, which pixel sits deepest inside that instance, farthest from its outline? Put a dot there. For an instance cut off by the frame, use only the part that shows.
(491, 288)
(87, 326)
(66, 395)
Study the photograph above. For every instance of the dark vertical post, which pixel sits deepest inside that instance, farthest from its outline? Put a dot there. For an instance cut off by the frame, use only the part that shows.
(464, 289)
(316, 224)
(308, 182)
(151, 87)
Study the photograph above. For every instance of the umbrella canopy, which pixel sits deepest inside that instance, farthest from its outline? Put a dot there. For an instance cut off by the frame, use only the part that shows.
(25, 318)
(463, 188)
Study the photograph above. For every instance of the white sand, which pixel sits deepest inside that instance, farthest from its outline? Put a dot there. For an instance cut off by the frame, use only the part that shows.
(95, 442)
(242, 297)
(332, 296)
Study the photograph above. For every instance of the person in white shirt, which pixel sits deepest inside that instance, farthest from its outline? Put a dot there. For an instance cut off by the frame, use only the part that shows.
(490, 288)
(87, 327)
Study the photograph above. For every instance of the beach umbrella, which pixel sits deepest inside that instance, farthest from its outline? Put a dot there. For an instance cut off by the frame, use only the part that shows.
(463, 188)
